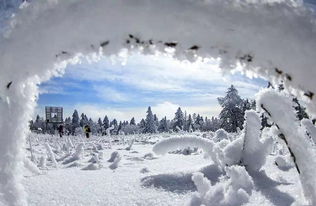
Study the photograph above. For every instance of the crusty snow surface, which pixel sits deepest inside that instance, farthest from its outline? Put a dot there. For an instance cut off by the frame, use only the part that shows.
(141, 178)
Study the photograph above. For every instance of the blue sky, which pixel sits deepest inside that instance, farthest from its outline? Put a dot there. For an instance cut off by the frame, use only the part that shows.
(124, 87)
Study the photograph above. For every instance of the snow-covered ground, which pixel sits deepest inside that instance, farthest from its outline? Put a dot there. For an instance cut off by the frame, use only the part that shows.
(140, 178)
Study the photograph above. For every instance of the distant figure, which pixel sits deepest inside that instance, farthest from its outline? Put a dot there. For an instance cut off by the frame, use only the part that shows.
(87, 130)
(61, 130)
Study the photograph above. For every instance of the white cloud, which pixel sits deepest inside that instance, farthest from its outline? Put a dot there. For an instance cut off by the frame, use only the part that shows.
(163, 74)
(150, 72)
(110, 94)
(165, 109)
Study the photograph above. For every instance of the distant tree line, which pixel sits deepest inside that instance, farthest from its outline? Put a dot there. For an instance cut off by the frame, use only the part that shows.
(231, 119)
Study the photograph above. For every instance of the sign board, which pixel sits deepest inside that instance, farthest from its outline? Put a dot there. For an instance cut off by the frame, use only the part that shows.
(54, 114)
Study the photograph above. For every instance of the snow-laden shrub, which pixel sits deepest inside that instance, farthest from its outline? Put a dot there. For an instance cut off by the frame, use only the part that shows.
(280, 109)
(31, 166)
(100, 155)
(254, 150)
(69, 142)
(170, 144)
(233, 190)
(220, 135)
(248, 149)
(76, 155)
(130, 145)
(51, 154)
(115, 163)
(113, 156)
(94, 159)
(42, 163)
(233, 152)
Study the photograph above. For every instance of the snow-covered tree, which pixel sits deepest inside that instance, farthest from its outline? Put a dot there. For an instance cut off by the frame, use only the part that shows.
(156, 120)
(68, 125)
(198, 123)
(93, 126)
(132, 122)
(99, 126)
(215, 124)
(189, 124)
(84, 120)
(130, 129)
(141, 125)
(114, 124)
(178, 120)
(150, 126)
(231, 115)
(75, 121)
(163, 125)
(105, 124)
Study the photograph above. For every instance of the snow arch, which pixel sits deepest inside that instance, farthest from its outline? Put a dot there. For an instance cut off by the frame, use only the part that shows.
(275, 39)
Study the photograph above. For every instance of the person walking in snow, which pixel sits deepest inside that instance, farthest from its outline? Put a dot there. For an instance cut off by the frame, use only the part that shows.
(61, 130)
(87, 130)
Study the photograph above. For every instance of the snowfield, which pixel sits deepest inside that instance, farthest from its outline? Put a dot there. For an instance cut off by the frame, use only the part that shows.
(141, 177)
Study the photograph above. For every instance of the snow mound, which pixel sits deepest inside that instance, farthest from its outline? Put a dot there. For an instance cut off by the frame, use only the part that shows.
(113, 156)
(74, 164)
(149, 156)
(144, 170)
(115, 163)
(91, 166)
(170, 144)
(220, 135)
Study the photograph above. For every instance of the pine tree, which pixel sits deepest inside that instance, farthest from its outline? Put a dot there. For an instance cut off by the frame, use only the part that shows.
(100, 122)
(198, 123)
(119, 127)
(163, 125)
(215, 124)
(189, 124)
(207, 126)
(156, 120)
(231, 115)
(113, 123)
(150, 126)
(132, 122)
(246, 105)
(99, 126)
(178, 120)
(84, 120)
(105, 123)
(75, 121)
(142, 125)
